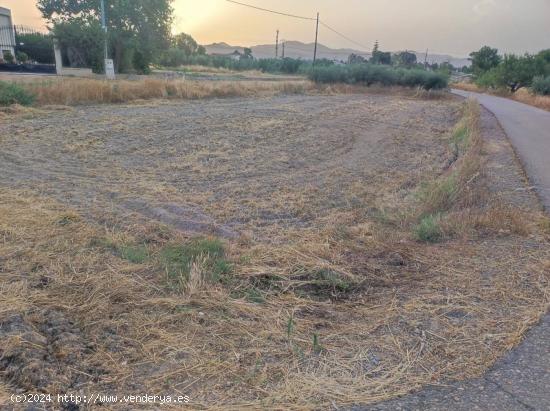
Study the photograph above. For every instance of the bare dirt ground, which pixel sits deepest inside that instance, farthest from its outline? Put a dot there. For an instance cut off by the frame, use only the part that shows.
(229, 166)
(329, 301)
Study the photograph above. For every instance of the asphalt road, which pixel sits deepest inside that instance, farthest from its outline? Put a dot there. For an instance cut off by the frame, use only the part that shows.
(529, 131)
(521, 380)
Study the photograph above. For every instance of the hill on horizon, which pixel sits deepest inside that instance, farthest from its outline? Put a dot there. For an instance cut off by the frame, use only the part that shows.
(299, 50)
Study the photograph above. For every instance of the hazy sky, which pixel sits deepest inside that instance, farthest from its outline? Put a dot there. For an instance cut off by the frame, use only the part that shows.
(446, 26)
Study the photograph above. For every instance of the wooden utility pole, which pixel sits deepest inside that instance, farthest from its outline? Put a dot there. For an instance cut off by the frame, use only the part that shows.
(316, 38)
(283, 49)
(277, 45)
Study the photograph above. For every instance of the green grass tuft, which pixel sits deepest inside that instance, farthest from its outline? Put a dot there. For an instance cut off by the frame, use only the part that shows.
(429, 229)
(330, 279)
(11, 93)
(177, 259)
(137, 254)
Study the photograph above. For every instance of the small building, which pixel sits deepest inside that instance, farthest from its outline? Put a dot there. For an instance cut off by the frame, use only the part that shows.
(7, 34)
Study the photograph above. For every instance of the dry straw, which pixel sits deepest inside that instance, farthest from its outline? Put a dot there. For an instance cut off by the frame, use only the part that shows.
(353, 312)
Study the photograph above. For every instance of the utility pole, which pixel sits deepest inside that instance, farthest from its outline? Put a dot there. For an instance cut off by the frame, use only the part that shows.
(277, 45)
(283, 49)
(109, 66)
(316, 38)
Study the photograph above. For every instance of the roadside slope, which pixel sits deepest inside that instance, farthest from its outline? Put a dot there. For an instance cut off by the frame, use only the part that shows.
(529, 131)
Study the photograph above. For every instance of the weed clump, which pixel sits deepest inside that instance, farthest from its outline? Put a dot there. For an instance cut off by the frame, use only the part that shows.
(11, 93)
(134, 253)
(457, 188)
(178, 260)
(429, 229)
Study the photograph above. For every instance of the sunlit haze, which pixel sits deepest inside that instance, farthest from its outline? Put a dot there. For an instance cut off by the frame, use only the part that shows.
(445, 26)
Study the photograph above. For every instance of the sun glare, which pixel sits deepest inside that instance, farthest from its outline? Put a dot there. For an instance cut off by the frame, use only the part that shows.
(189, 15)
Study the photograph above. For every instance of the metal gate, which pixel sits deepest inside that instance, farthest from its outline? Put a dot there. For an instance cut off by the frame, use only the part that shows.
(26, 50)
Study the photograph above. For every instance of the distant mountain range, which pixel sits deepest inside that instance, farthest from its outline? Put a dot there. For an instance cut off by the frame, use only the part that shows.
(297, 49)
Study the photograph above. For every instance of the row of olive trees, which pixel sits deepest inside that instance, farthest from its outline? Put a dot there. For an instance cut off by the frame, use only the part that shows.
(490, 69)
(401, 59)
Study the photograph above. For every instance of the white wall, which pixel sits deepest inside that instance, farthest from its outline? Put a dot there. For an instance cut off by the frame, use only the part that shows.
(7, 37)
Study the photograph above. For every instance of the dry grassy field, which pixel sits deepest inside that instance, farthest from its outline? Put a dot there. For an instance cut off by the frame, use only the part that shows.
(282, 251)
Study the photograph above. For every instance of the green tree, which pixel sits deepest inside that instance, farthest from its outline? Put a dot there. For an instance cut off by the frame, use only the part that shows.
(446, 68)
(379, 57)
(247, 53)
(543, 62)
(36, 46)
(188, 44)
(81, 40)
(484, 60)
(405, 59)
(356, 59)
(138, 29)
(516, 72)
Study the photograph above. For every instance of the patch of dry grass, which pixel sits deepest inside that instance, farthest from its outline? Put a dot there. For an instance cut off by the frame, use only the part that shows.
(220, 70)
(88, 91)
(522, 95)
(348, 311)
(458, 187)
(69, 92)
(78, 314)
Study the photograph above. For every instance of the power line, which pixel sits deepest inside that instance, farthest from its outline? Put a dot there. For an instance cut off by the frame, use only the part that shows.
(303, 18)
(342, 35)
(271, 11)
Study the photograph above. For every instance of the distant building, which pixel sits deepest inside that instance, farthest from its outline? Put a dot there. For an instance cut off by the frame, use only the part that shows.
(7, 34)
(236, 55)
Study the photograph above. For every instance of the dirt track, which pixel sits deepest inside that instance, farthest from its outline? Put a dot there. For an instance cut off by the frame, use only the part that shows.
(229, 166)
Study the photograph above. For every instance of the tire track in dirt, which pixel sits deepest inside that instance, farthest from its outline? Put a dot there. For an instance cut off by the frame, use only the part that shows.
(229, 165)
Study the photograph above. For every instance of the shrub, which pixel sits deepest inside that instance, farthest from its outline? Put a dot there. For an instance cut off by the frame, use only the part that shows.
(11, 93)
(429, 229)
(22, 57)
(9, 57)
(489, 79)
(176, 58)
(541, 85)
(370, 74)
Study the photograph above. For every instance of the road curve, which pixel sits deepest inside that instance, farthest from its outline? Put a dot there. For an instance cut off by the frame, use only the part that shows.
(528, 128)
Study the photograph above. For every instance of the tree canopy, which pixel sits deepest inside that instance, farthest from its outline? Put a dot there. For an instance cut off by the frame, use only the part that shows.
(485, 59)
(405, 59)
(138, 29)
(510, 71)
(187, 44)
